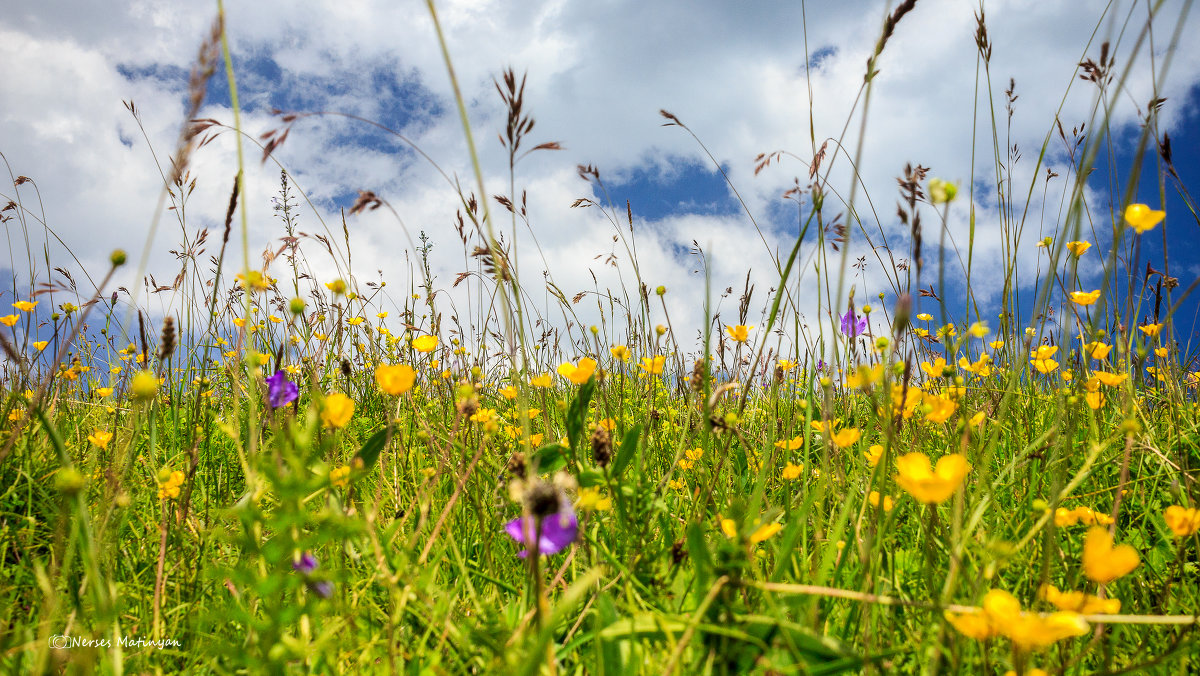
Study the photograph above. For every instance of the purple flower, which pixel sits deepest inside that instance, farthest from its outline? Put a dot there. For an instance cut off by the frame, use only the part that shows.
(280, 390)
(852, 325)
(820, 364)
(306, 566)
(558, 531)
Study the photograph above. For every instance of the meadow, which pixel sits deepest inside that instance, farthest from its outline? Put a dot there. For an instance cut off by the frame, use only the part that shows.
(298, 474)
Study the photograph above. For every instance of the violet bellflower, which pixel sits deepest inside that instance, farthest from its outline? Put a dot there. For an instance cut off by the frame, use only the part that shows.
(558, 530)
(853, 325)
(280, 390)
(306, 566)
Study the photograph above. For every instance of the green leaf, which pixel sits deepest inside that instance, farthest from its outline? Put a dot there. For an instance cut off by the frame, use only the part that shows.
(369, 453)
(550, 458)
(577, 414)
(627, 451)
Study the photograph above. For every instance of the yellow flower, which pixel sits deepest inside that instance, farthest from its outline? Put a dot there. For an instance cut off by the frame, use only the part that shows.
(1151, 330)
(653, 366)
(1097, 350)
(25, 306)
(1002, 615)
(729, 528)
(791, 444)
(100, 438)
(355, 321)
(846, 438)
(923, 482)
(873, 498)
(382, 315)
(936, 369)
(874, 454)
(1142, 217)
(337, 286)
(337, 410)
(425, 343)
(340, 476)
(979, 329)
(996, 344)
(578, 374)
(1110, 379)
(509, 393)
(104, 392)
(253, 281)
(1102, 562)
(925, 316)
(1079, 248)
(1082, 298)
(321, 337)
(9, 320)
(764, 531)
(864, 376)
(940, 408)
(792, 472)
(591, 499)
(1160, 352)
(144, 386)
(543, 380)
(1182, 521)
(977, 419)
(974, 625)
(395, 379)
(1079, 602)
(620, 352)
(739, 333)
(40, 345)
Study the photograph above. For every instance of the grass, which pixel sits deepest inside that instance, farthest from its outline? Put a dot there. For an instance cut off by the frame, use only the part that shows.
(755, 501)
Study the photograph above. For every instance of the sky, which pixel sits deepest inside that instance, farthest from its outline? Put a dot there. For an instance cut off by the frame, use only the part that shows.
(746, 78)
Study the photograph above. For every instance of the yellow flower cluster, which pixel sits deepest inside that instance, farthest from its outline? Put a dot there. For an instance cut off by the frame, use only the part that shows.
(1182, 521)
(340, 476)
(1064, 517)
(1002, 616)
(170, 487)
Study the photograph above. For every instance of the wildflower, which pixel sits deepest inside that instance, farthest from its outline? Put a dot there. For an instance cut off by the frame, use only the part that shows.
(578, 374)
(425, 343)
(355, 321)
(864, 376)
(873, 498)
(541, 381)
(852, 325)
(996, 344)
(100, 438)
(104, 392)
(979, 329)
(337, 286)
(1082, 298)
(306, 565)
(1079, 602)
(739, 333)
(1151, 330)
(395, 379)
(340, 476)
(592, 499)
(1142, 217)
(1110, 379)
(1078, 248)
(846, 438)
(1102, 562)
(144, 386)
(509, 393)
(941, 192)
(1042, 358)
(9, 320)
(337, 410)
(786, 365)
(280, 390)
(977, 419)
(925, 317)
(1182, 521)
(874, 454)
(1097, 350)
(550, 523)
(791, 444)
(653, 366)
(940, 408)
(25, 305)
(981, 367)
(764, 532)
(620, 352)
(169, 483)
(253, 280)
(40, 345)
(935, 370)
(923, 482)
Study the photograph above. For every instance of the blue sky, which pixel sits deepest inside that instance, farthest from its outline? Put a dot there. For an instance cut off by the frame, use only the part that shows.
(597, 75)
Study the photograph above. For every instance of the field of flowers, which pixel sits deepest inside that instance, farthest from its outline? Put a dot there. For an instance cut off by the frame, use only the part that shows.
(284, 476)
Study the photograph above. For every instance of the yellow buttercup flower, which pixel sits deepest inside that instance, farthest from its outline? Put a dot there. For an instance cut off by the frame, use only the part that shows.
(940, 408)
(355, 321)
(25, 305)
(1142, 217)
(40, 345)
(1078, 248)
(144, 386)
(846, 438)
(339, 476)
(1097, 350)
(1002, 616)
(509, 393)
(791, 444)
(1151, 330)
(578, 374)
(1079, 602)
(620, 352)
(653, 366)
(1085, 298)
(1110, 379)
(395, 379)
(1182, 521)
(920, 480)
(9, 320)
(1102, 562)
(874, 454)
(337, 286)
(792, 472)
(425, 343)
(873, 498)
(100, 438)
(936, 369)
(739, 333)
(336, 410)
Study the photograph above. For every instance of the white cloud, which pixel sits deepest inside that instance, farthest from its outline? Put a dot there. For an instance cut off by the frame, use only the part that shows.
(598, 74)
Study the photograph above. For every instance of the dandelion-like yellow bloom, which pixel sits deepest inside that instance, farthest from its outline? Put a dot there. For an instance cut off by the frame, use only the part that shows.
(1079, 602)
(1078, 248)
(395, 379)
(1102, 562)
(653, 366)
(792, 472)
(40, 345)
(543, 380)
(339, 477)
(935, 370)
(620, 352)
(1142, 217)
(1182, 521)
(337, 286)
(355, 321)
(1085, 298)
(425, 343)
(846, 438)
(874, 454)
(100, 439)
(791, 444)
(25, 305)
(9, 320)
(873, 498)
(509, 393)
(144, 386)
(739, 333)
(336, 410)
(940, 408)
(592, 499)
(1110, 379)
(925, 317)
(920, 480)
(1151, 330)
(578, 374)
